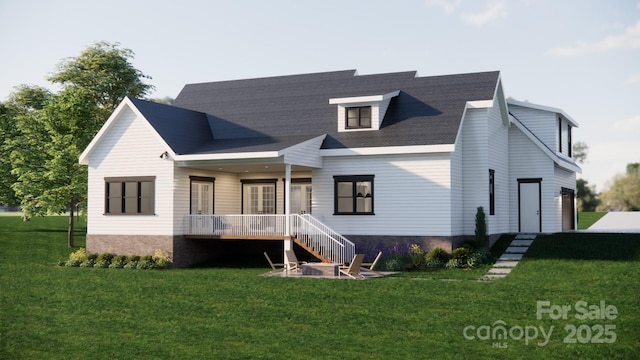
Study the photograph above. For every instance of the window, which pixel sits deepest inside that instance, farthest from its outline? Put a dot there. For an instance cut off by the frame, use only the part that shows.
(569, 140)
(353, 194)
(358, 117)
(560, 134)
(130, 195)
(492, 192)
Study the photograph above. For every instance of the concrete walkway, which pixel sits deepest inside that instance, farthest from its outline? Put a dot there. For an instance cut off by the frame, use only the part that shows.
(618, 222)
(510, 257)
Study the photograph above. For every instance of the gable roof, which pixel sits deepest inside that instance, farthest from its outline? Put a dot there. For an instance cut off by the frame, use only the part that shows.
(427, 111)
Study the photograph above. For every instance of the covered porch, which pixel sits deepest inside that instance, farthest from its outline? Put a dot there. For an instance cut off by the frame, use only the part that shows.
(257, 191)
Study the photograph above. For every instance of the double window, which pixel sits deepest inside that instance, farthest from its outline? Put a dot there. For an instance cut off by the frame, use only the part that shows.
(130, 195)
(353, 194)
(358, 117)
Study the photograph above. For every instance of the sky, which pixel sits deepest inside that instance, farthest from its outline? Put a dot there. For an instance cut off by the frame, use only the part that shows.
(582, 56)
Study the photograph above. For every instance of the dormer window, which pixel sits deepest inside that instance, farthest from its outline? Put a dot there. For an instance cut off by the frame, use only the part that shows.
(362, 113)
(358, 117)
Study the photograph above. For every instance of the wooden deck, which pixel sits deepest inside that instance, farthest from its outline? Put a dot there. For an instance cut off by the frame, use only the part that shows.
(238, 237)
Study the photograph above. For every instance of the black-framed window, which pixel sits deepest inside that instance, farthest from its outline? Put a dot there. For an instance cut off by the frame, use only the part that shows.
(492, 192)
(560, 135)
(569, 150)
(358, 117)
(130, 195)
(353, 195)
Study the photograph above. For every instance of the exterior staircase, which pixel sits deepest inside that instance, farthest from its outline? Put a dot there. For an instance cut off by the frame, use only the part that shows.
(510, 258)
(320, 240)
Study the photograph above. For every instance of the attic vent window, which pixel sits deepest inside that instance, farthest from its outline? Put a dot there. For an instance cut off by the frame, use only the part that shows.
(358, 117)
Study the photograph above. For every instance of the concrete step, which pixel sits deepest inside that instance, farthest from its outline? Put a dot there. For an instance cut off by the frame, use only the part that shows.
(505, 264)
(526, 236)
(499, 271)
(517, 249)
(493, 277)
(521, 242)
(510, 257)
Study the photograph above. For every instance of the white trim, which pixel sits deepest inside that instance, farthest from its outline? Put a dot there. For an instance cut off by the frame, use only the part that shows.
(544, 108)
(479, 104)
(390, 150)
(84, 157)
(228, 156)
(363, 99)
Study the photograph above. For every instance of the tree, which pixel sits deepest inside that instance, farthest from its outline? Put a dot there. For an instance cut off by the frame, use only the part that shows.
(45, 151)
(580, 151)
(587, 197)
(104, 71)
(17, 113)
(624, 192)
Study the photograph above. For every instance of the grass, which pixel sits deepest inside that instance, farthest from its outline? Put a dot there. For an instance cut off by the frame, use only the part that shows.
(55, 313)
(586, 219)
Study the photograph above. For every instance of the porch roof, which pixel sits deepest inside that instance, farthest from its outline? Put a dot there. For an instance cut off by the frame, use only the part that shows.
(294, 150)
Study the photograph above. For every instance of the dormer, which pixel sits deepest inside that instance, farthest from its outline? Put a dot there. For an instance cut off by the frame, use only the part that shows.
(362, 113)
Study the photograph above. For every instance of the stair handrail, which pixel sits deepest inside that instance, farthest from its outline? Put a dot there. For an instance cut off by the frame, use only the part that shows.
(348, 247)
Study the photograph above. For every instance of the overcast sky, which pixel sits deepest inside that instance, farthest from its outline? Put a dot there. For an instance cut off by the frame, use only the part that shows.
(580, 56)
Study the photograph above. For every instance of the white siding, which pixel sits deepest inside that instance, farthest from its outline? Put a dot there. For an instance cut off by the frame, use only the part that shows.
(543, 124)
(498, 160)
(412, 194)
(475, 164)
(457, 201)
(130, 148)
(527, 161)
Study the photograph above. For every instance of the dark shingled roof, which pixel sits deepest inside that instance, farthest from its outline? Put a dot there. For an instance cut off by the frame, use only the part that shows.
(428, 111)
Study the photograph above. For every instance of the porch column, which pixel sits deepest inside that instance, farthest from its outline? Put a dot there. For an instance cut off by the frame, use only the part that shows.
(288, 243)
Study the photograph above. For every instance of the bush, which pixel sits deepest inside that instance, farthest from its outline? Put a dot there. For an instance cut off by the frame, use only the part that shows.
(416, 254)
(454, 263)
(471, 244)
(439, 254)
(79, 255)
(434, 263)
(481, 226)
(131, 264)
(89, 263)
(73, 263)
(479, 257)
(161, 259)
(394, 264)
(461, 254)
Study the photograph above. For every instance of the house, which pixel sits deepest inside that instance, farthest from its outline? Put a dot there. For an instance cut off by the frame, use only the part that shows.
(328, 161)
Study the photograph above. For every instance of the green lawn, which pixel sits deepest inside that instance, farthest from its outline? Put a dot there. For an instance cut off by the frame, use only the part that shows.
(48, 312)
(586, 219)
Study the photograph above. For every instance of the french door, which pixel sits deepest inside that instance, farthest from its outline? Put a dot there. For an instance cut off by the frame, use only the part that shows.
(201, 197)
(259, 199)
(300, 202)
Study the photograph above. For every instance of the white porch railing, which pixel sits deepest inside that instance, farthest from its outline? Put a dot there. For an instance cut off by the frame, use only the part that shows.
(305, 228)
(235, 225)
(321, 238)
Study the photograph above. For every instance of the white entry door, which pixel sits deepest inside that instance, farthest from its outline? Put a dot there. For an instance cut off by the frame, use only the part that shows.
(530, 206)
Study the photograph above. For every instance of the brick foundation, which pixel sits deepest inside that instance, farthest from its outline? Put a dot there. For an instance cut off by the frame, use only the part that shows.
(183, 252)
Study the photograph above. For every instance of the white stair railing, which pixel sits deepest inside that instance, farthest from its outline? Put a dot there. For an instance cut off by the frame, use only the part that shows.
(322, 238)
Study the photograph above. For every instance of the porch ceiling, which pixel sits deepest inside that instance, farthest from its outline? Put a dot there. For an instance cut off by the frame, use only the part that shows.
(243, 166)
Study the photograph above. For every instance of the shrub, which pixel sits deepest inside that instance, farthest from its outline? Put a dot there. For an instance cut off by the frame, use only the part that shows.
(453, 264)
(145, 264)
(481, 226)
(471, 244)
(461, 254)
(394, 264)
(131, 264)
(80, 255)
(105, 257)
(133, 258)
(439, 254)
(89, 263)
(479, 257)
(161, 259)
(73, 263)
(434, 263)
(416, 254)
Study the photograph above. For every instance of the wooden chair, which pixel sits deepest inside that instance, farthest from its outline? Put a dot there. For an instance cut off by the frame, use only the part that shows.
(371, 265)
(275, 267)
(292, 263)
(353, 270)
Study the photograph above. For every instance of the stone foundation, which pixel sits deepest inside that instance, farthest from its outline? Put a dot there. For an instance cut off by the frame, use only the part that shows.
(448, 243)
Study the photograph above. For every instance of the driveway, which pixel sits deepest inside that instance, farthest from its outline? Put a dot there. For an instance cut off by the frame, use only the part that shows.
(618, 222)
